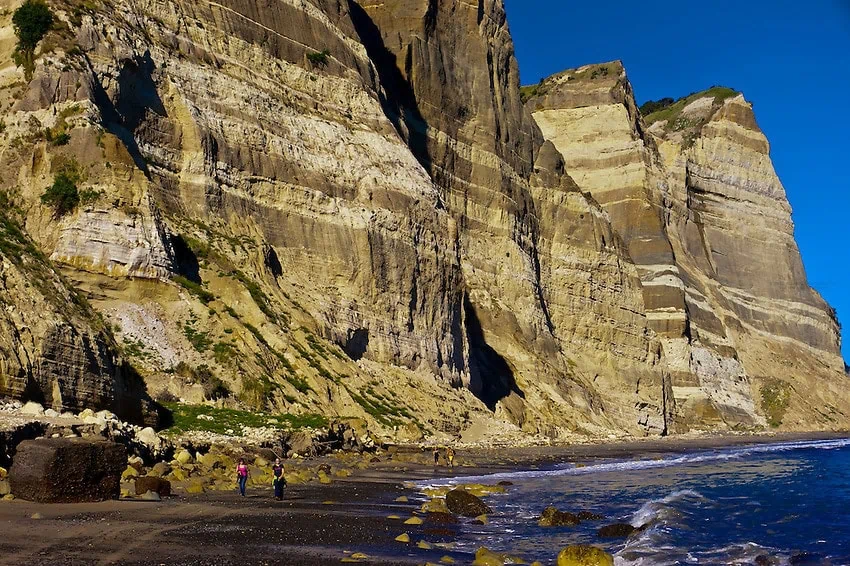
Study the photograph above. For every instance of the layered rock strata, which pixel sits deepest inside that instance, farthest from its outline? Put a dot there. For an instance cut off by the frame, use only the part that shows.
(705, 218)
(338, 207)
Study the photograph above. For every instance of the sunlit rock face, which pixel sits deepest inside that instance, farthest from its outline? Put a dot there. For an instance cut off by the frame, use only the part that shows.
(692, 191)
(346, 208)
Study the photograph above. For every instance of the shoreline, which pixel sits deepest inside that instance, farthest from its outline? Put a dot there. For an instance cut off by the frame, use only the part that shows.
(347, 520)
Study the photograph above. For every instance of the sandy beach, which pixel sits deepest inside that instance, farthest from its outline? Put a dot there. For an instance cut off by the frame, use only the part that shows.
(345, 521)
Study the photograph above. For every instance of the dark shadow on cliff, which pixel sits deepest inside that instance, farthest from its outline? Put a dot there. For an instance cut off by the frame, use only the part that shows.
(136, 96)
(398, 99)
(185, 260)
(491, 378)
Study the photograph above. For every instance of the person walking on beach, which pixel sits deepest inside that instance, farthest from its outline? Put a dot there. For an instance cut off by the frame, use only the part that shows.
(436, 456)
(450, 457)
(242, 475)
(278, 482)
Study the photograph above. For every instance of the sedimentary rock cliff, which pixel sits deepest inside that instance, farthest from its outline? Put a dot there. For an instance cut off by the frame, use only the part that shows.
(344, 207)
(53, 347)
(693, 193)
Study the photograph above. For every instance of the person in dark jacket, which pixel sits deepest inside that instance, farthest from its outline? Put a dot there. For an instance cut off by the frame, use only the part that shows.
(278, 481)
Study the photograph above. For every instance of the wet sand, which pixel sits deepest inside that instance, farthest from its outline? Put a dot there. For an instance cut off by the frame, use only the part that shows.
(315, 524)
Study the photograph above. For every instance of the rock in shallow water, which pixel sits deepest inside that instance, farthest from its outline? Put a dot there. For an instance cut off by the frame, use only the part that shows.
(461, 502)
(551, 517)
(583, 555)
(617, 530)
(67, 470)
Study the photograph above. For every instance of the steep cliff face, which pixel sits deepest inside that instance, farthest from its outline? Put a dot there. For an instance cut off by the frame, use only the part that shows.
(53, 347)
(344, 207)
(705, 218)
(545, 276)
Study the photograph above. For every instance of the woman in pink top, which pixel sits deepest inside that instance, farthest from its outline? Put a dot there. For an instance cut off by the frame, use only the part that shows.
(242, 475)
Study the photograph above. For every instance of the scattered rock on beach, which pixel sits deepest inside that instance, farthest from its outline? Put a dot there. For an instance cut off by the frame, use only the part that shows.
(486, 557)
(617, 530)
(67, 470)
(765, 560)
(461, 502)
(403, 537)
(584, 555)
(414, 521)
(150, 496)
(551, 517)
(153, 483)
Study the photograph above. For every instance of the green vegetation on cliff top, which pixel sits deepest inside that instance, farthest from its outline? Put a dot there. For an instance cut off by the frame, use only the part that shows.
(212, 419)
(670, 110)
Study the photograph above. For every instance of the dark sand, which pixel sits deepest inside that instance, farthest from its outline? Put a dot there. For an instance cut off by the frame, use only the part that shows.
(315, 524)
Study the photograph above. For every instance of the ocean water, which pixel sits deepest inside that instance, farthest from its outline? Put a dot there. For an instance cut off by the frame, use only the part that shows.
(787, 501)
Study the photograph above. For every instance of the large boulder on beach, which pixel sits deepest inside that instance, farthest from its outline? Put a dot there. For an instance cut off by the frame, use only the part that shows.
(617, 530)
(584, 555)
(551, 517)
(461, 502)
(153, 483)
(67, 470)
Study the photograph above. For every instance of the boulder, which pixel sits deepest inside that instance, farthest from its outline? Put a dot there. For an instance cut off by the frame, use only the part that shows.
(32, 409)
(153, 483)
(461, 502)
(301, 443)
(67, 470)
(129, 473)
(486, 557)
(617, 530)
(584, 555)
(160, 469)
(151, 496)
(184, 457)
(551, 517)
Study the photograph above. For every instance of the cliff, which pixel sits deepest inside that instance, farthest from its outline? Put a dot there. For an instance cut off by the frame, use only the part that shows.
(345, 208)
(54, 348)
(693, 192)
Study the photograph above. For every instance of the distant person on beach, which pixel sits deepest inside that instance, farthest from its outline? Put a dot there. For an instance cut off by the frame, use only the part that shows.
(279, 482)
(436, 456)
(450, 457)
(242, 475)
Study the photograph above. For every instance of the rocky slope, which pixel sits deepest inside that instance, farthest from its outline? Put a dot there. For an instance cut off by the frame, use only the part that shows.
(692, 190)
(53, 347)
(344, 208)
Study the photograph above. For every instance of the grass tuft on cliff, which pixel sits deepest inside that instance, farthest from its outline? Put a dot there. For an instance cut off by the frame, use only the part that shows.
(211, 419)
(669, 110)
(775, 398)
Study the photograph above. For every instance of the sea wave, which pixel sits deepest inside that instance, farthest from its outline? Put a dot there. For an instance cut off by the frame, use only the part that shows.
(626, 465)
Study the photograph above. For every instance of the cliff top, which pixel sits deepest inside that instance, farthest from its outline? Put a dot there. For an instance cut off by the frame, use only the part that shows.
(599, 75)
(674, 111)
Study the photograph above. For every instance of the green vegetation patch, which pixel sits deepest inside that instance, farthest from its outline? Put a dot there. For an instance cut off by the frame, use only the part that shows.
(63, 196)
(32, 20)
(381, 408)
(775, 398)
(666, 109)
(187, 418)
(194, 288)
(319, 58)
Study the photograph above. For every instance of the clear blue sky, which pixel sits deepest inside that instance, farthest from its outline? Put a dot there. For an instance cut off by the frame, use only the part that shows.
(791, 59)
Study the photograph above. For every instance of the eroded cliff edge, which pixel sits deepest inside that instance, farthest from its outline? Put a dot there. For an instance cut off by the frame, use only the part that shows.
(693, 192)
(345, 208)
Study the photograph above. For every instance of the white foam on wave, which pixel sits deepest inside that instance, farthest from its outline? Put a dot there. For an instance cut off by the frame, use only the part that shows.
(626, 465)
